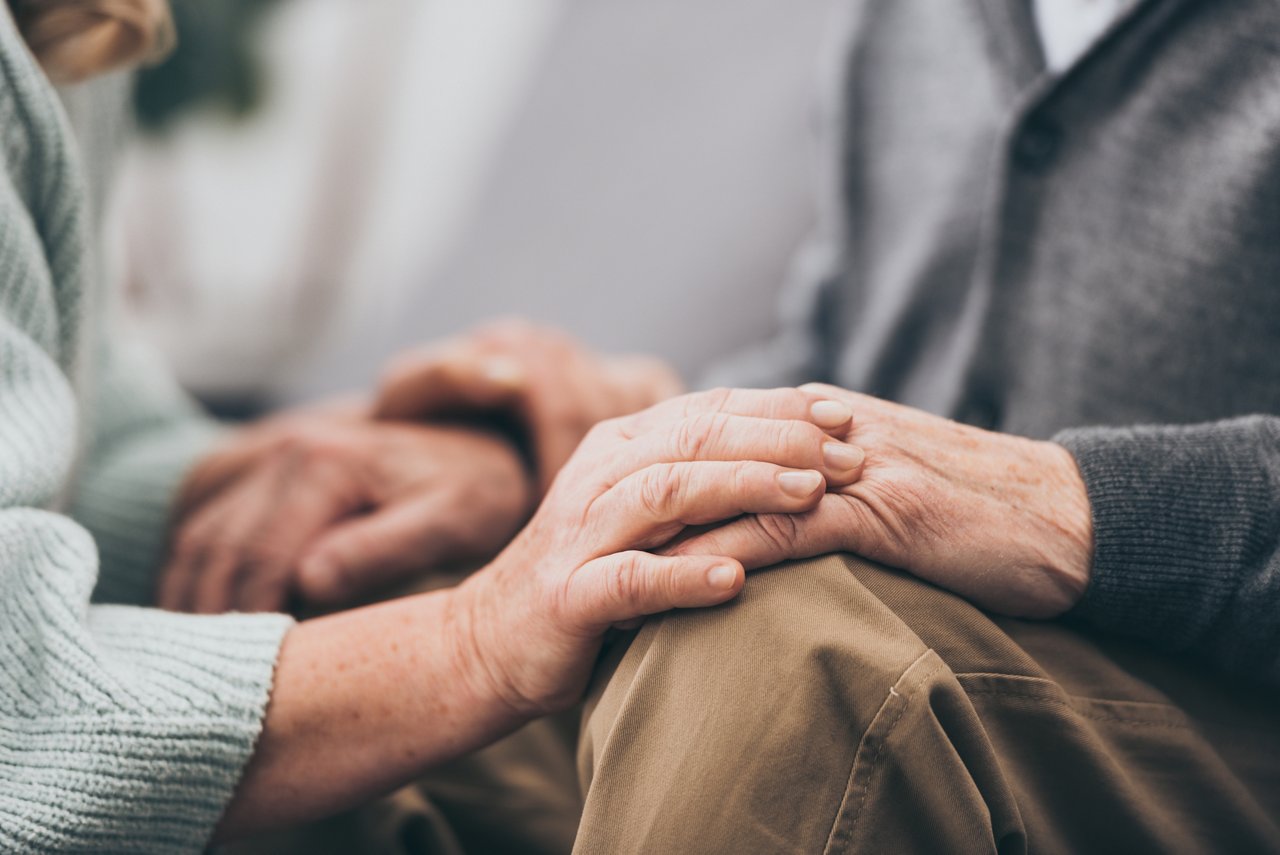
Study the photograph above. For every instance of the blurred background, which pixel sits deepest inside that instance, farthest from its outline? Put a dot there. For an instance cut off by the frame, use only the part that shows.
(320, 183)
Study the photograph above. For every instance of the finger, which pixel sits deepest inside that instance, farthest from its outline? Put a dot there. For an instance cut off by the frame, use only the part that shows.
(830, 414)
(629, 585)
(222, 467)
(177, 579)
(651, 506)
(193, 552)
(259, 530)
(464, 379)
(231, 534)
(718, 436)
(371, 551)
(213, 589)
(766, 539)
(263, 585)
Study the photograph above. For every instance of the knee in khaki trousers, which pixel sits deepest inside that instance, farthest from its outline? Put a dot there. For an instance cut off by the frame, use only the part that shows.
(840, 707)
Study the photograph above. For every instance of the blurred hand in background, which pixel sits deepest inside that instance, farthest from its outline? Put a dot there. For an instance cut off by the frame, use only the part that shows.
(327, 506)
(552, 387)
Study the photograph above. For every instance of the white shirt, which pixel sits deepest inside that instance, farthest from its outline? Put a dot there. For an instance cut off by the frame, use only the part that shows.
(1069, 27)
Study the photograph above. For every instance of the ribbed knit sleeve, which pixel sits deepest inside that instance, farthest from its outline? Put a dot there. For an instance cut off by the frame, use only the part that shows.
(1187, 531)
(121, 729)
(145, 436)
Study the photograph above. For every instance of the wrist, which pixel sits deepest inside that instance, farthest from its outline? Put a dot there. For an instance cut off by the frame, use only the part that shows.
(1072, 515)
(472, 630)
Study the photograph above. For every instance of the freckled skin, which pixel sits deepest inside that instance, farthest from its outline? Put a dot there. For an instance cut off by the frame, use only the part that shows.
(367, 699)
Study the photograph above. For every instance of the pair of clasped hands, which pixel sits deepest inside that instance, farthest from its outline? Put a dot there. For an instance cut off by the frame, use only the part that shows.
(627, 500)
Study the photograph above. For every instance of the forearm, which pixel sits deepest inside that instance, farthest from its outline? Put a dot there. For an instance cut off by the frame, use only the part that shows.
(363, 702)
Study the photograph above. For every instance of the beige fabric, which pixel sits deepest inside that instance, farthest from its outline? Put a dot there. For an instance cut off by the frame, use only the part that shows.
(840, 707)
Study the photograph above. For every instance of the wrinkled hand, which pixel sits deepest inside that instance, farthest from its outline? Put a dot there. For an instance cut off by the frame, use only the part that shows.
(552, 386)
(331, 508)
(533, 619)
(251, 444)
(1001, 520)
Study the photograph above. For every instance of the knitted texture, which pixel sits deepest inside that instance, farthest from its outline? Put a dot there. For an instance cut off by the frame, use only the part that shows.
(1186, 521)
(122, 729)
(1087, 252)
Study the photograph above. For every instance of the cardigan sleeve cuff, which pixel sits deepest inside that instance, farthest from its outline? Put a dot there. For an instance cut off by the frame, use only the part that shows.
(1181, 516)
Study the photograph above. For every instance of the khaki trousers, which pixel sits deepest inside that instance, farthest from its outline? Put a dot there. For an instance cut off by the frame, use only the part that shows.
(841, 707)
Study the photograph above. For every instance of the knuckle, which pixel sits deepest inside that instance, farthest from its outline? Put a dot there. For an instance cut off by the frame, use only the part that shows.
(787, 438)
(659, 490)
(624, 578)
(742, 477)
(777, 531)
(713, 400)
(692, 436)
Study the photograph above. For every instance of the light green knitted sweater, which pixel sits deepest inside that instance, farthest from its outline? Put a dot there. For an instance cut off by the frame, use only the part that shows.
(122, 729)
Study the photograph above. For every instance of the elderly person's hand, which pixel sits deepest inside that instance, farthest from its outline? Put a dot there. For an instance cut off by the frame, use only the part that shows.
(553, 387)
(1001, 520)
(329, 507)
(584, 562)
(366, 699)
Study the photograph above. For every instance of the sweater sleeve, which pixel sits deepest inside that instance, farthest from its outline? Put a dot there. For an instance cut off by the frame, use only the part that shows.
(121, 729)
(146, 434)
(1187, 534)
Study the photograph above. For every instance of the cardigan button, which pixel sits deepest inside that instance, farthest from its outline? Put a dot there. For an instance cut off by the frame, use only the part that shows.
(1037, 144)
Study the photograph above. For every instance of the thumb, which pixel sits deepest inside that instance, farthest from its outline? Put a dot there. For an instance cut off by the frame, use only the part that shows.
(368, 552)
(448, 383)
(630, 585)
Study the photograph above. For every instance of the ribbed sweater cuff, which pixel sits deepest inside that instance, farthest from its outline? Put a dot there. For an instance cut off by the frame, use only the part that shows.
(125, 501)
(1180, 514)
(189, 693)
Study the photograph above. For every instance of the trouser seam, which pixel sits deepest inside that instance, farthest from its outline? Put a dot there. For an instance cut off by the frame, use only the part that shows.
(1079, 706)
(870, 766)
(1139, 722)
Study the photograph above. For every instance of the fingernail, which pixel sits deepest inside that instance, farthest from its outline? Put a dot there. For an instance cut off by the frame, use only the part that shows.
(844, 458)
(505, 372)
(800, 484)
(722, 576)
(829, 414)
